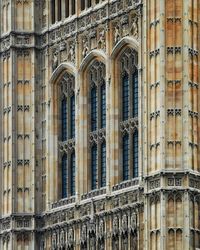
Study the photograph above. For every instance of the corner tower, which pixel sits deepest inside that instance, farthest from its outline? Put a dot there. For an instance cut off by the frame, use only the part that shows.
(171, 115)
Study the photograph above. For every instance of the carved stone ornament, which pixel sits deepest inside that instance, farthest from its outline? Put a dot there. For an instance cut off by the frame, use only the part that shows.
(134, 27)
(102, 41)
(62, 238)
(92, 242)
(101, 228)
(117, 35)
(124, 223)
(115, 225)
(83, 233)
(54, 241)
(55, 61)
(133, 223)
(70, 237)
(85, 47)
(71, 53)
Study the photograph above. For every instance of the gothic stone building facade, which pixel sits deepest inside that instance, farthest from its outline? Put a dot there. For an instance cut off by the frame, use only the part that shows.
(99, 124)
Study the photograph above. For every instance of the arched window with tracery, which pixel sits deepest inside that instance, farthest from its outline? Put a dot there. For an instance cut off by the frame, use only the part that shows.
(67, 135)
(129, 113)
(97, 124)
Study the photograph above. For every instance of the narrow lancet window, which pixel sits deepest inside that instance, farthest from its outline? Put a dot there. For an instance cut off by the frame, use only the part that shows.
(129, 113)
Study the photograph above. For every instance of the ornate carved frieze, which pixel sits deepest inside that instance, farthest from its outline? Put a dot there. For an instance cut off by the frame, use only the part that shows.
(174, 181)
(154, 184)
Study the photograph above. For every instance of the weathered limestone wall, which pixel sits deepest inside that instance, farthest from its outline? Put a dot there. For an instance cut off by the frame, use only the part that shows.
(160, 209)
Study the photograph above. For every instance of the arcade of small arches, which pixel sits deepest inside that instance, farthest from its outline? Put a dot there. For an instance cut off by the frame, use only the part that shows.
(94, 87)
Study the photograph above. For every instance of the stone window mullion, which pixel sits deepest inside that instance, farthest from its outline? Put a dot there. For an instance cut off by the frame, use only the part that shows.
(63, 8)
(56, 10)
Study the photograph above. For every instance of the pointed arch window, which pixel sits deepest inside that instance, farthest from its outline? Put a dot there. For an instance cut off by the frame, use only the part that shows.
(67, 142)
(97, 106)
(129, 113)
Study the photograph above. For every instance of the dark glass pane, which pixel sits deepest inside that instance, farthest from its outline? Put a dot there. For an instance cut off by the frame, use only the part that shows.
(125, 97)
(73, 7)
(72, 116)
(94, 167)
(66, 8)
(82, 4)
(103, 165)
(103, 106)
(64, 176)
(125, 149)
(73, 174)
(93, 109)
(135, 154)
(53, 11)
(59, 10)
(135, 94)
(89, 3)
(64, 119)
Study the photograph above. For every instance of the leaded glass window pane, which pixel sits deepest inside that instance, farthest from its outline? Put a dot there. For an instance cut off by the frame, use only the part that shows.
(135, 94)
(94, 167)
(93, 108)
(103, 164)
(82, 4)
(66, 8)
(103, 106)
(129, 112)
(125, 149)
(135, 154)
(73, 174)
(125, 97)
(73, 7)
(72, 100)
(59, 9)
(64, 176)
(53, 11)
(64, 119)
